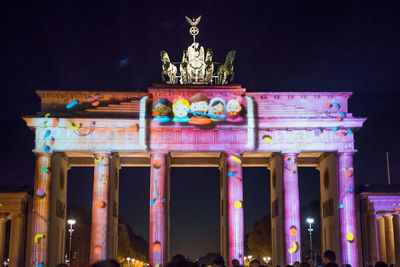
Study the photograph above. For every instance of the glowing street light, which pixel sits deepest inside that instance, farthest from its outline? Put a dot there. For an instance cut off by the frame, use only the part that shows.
(310, 229)
(71, 230)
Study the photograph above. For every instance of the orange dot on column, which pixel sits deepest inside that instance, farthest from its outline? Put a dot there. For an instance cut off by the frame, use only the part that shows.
(157, 246)
(293, 231)
(100, 204)
(98, 250)
(157, 163)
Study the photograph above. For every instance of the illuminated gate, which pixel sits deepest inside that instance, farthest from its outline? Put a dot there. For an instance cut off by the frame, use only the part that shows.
(195, 125)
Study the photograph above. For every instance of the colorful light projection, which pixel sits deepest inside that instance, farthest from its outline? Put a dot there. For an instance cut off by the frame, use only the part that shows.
(98, 245)
(335, 112)
(346, 213)
(202, 111)
(291, 207)
(38, 237)
(181, 108)
(157, 235)
(235, 207)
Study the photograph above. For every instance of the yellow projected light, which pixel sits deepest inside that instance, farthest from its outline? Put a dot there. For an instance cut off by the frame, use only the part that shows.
(238, 204)
(294, 247)
(350, 237)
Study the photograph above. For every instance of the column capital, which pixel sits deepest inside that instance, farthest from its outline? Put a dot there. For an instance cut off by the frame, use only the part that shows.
(290, 152)
(233, 152)
(42, 154)
(3, 217)
(102, 153)
(159, 153)
(388, 216)
(346, 152)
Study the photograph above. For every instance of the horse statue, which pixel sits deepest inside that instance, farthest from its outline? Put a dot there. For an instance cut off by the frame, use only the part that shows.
(183, 69)
(168, 68)
(226, 69)
(209, 66)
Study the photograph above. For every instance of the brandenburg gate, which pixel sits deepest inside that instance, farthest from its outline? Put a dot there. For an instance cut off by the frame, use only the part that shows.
(195, 119)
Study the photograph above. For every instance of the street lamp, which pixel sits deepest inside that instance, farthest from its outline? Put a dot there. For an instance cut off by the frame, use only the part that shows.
(310, 229)
(71, 230)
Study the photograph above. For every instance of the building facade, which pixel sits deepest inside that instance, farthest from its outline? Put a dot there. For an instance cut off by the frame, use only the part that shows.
(220, 126)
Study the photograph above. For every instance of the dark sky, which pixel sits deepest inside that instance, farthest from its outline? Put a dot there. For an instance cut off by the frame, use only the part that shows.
(281, 46)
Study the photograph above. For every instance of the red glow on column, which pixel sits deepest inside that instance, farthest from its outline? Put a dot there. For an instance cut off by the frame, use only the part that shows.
(98, 241)
(158, 225)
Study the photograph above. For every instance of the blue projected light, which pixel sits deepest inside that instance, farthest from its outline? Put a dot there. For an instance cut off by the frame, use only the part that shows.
(72, 104)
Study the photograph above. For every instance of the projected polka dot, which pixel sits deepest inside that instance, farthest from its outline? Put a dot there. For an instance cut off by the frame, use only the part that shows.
(40, 192)
(157, 246)
(293, 231)
(100, 204)
(157, 163)
(98, 250)
(350, 237)
(238, 204)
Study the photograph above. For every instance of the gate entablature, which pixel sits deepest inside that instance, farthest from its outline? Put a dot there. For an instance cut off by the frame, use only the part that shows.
(123, 121)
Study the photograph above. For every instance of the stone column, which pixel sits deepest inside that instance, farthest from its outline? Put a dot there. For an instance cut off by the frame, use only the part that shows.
(17, 240)
(3, 221)
(390, 257)
(235, 208)
(396, 228)
(98, 241)
(291, 208)
(381, 238)
(58, 208)
(373, 252)
(158, 247)
(41, 210)
(113, 181)
(347, 215)
(224, 226)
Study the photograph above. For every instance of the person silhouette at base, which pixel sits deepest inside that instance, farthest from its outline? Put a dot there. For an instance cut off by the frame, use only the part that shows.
(106, 263)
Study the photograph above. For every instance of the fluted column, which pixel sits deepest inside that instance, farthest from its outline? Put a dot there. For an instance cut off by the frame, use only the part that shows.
(41, 210)
(235, 207)
(158, 247)
(291, 208)
(381, 238)
(372, 241)
(389, 239)
(16, 254)
(348, 230)
(396, 228)
(3, 221)
(98, 241)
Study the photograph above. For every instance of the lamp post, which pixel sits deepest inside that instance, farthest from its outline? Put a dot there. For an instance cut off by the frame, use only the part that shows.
(310, 229)
(71, 230)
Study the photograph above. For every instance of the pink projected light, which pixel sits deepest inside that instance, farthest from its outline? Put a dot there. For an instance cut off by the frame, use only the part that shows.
(157, 236)
(292, 208)
(235, 209)
(347, 213)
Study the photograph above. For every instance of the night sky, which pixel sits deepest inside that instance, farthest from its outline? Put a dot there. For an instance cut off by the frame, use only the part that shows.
(281, 46)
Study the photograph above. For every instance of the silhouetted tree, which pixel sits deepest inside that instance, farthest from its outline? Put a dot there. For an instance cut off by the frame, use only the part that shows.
(130, 244)
(259, 240)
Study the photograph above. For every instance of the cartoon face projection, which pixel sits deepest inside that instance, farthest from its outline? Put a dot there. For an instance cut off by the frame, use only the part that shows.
(199, 108)
(217, 109)
(199, 104)
(161, 110)
(233, 110)
(180, 109)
